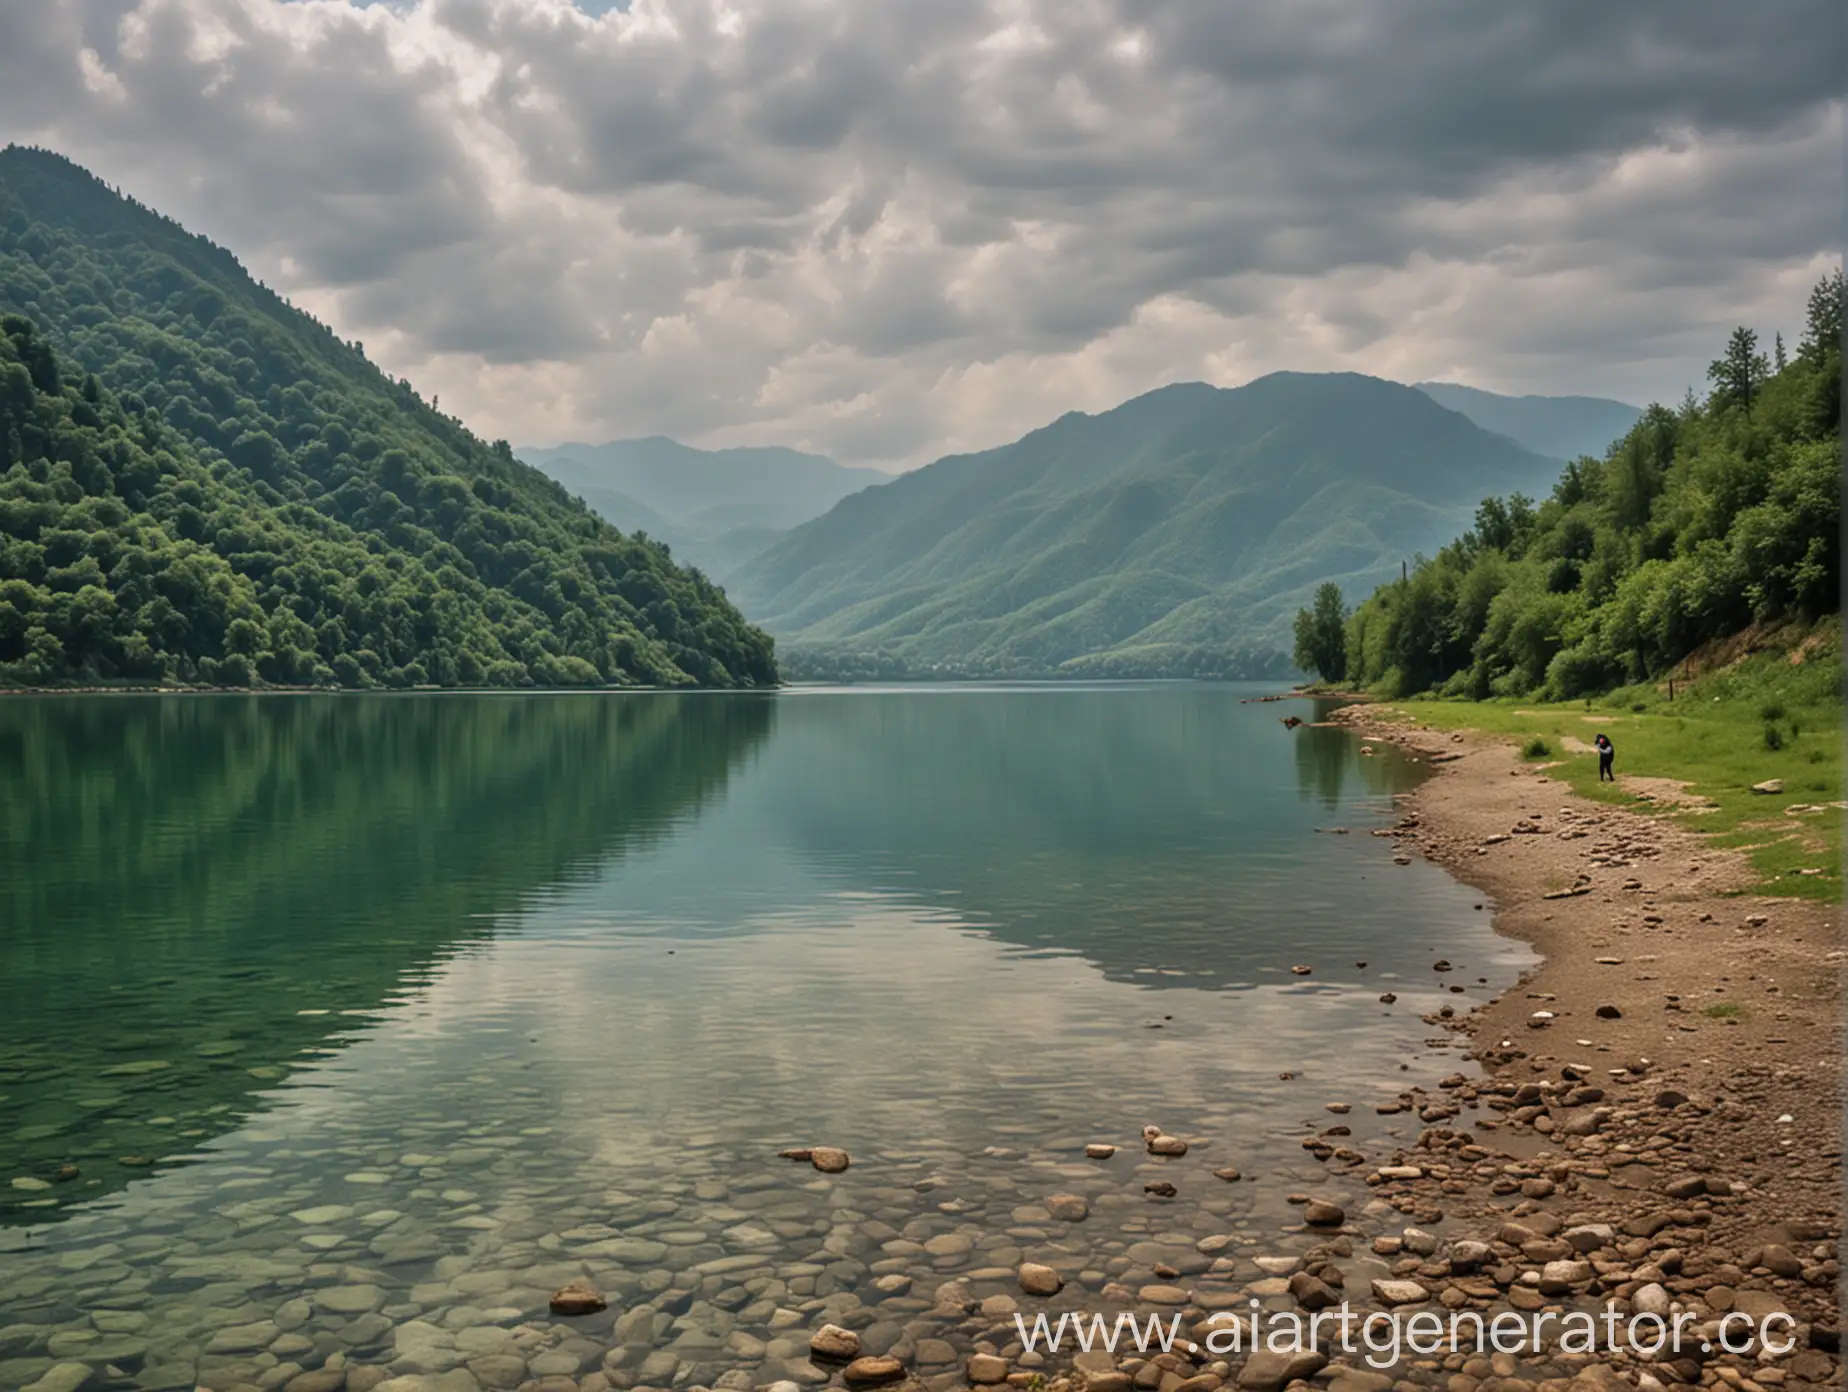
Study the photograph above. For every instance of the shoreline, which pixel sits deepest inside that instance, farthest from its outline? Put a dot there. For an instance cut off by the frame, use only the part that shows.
(1704, 1018)
(1626, 1144)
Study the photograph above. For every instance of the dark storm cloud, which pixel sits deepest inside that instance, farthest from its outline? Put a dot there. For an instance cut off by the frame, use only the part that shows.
(893, 229)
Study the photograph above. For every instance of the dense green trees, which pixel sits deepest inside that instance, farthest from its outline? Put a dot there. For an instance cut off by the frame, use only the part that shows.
(1696, 524)
(198, 483)
(1321, 634)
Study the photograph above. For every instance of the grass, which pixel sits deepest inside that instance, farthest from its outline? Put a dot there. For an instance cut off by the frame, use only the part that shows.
(1763, 718)
(1724, 1010)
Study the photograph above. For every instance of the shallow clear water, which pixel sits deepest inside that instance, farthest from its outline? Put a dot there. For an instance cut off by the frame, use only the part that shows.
(365, 1022)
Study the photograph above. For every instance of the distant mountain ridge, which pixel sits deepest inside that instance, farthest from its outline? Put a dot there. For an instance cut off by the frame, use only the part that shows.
(714, 508)
(1193, 517)
(1562, 427)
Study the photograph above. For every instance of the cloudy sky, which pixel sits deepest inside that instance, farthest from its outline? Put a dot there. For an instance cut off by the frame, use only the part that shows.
(889, 229)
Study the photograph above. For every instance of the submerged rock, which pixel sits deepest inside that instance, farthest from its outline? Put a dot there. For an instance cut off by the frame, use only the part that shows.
(1040, 1280)
(1320, 1213)
(834, 1343)
(873, 1372)
(578, 1297)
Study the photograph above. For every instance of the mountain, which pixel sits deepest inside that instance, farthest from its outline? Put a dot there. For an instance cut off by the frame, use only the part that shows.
(1561, 427)
(201, 484)
(1190, 519)
(714, 508)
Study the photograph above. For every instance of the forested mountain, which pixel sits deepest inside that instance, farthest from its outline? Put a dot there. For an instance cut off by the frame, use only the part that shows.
(200, 483)
(715, 508)
(1698, 523)
(1175, 533)
(1560, 427)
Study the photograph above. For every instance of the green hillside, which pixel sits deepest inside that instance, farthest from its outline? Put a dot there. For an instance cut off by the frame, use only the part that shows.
(1699, 523)
(1157, 538)
(201, 484)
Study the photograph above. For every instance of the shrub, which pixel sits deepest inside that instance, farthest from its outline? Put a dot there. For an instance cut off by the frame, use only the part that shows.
(1536, 748)
(1774, 737)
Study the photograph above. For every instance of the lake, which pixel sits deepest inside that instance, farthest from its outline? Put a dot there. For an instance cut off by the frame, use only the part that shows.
(337, 1031)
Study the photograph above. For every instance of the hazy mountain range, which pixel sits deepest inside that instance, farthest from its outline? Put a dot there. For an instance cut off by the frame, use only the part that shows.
(715, 509)
(1562, 427)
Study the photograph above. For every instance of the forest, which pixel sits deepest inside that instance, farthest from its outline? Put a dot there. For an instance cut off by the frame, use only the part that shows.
(1699, 523)
(201, 485)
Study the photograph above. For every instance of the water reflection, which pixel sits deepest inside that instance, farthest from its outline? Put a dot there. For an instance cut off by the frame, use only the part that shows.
(198, 894)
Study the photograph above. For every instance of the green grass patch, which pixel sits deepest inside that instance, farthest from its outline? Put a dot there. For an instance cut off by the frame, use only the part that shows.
(1724, 1010)
(1537, 748)
(1715, 738)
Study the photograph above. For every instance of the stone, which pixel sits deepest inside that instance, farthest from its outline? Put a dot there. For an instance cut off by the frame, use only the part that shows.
(1162, 1295)
(1650, 1299)
(578, 1297)
(873, 1372)
(1159, 1144)
(1558, 1277)
(1311, 1292)
(1780, 1261)
(243, 1338)
(834, 1343)
(1320, 1213)
(985, 1369)
(1040, 1280)
(456, 1380)
(1265, 1371)
(1589, 1237)
(829, 1159)
(349, 1300)
(1099, 1151)
(935, 1353)
(61, 1377)
(497, 1372)
(1069, 1208)
(328, 1380)
(1769, 786)
(1391, 1292)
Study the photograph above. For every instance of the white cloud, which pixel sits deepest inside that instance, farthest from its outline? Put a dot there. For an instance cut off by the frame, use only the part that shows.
(890, 231)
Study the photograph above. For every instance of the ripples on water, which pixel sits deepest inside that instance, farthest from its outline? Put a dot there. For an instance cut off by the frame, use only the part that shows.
(365, 1022)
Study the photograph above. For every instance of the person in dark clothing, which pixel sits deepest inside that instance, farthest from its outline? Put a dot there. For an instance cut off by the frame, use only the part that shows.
(1606, 752)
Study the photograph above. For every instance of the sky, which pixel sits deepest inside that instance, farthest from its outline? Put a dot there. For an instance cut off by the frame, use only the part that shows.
(888, 230)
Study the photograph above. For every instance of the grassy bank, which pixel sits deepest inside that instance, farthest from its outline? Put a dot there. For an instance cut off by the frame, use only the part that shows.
(1697, 755)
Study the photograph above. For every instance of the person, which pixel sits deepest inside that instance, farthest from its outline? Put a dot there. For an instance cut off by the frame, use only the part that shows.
(1606, 752)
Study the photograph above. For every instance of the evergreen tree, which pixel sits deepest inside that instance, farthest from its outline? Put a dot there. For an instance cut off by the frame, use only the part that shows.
(1822, 332)
(1737, 376)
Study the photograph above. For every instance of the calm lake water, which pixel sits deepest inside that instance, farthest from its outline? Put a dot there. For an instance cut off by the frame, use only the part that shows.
(338, 1031)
